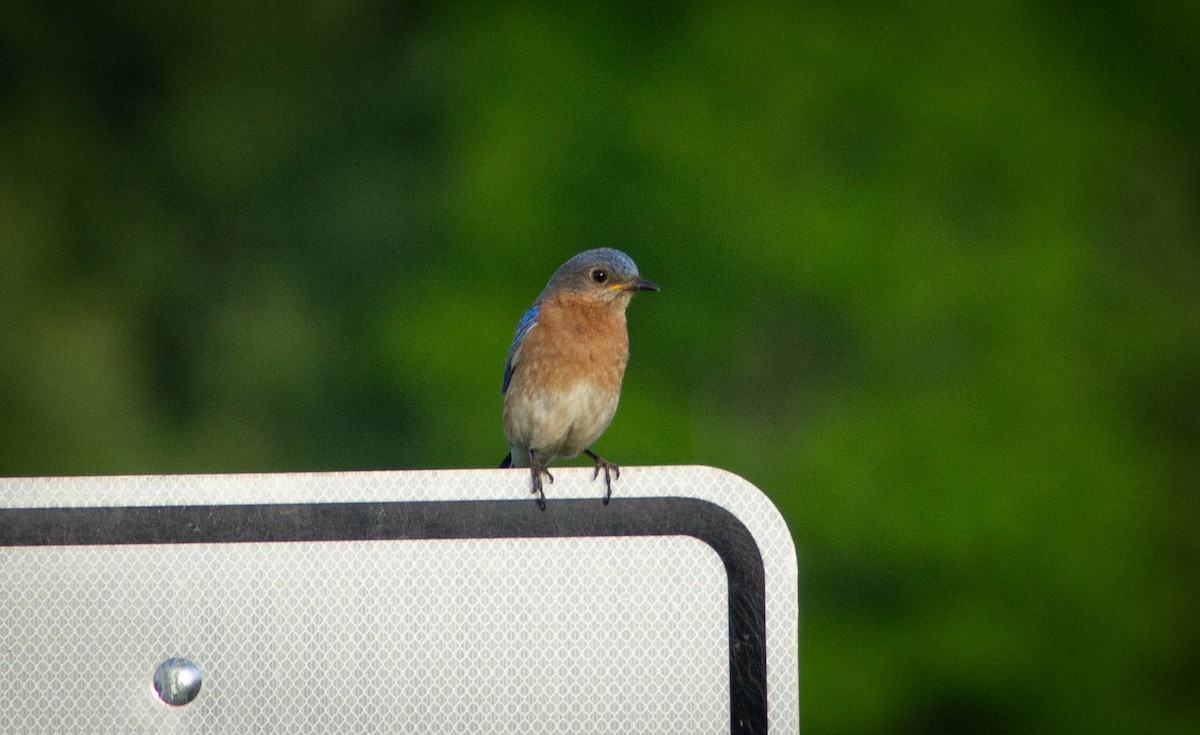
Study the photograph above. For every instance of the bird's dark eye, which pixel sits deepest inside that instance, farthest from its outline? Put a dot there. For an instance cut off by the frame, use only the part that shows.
(599, 275)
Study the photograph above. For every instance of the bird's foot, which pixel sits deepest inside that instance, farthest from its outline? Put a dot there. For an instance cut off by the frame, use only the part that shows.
(537, 470)
(611, 472)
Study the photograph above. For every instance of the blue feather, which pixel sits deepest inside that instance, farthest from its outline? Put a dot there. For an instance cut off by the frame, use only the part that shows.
(523, 327)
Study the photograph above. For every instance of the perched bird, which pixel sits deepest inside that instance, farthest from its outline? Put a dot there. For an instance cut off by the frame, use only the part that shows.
(563, 376)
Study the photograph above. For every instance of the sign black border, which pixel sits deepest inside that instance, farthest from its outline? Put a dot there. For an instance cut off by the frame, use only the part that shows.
(451, 519)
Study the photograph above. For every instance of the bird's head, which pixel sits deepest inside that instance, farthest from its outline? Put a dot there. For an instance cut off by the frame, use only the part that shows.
(603, 274)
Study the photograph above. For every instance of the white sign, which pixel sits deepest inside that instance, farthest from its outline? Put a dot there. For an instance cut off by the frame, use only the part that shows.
(385, 602)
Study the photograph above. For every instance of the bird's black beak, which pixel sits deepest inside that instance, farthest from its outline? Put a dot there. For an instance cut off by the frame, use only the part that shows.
(641, 284)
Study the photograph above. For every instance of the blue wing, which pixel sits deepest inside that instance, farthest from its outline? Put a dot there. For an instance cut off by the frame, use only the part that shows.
(523, 327)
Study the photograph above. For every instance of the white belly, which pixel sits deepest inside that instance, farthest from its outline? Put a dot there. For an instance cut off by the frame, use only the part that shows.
(558, 423)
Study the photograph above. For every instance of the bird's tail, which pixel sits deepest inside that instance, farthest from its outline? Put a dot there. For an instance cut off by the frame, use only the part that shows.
(506, 462)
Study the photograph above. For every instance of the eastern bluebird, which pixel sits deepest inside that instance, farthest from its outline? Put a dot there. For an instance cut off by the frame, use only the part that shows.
(563, 376)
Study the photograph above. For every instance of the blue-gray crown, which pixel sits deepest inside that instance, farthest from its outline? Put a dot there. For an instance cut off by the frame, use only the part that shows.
(614, 260)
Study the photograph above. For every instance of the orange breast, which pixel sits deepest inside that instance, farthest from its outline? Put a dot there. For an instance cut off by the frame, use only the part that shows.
(576, 339)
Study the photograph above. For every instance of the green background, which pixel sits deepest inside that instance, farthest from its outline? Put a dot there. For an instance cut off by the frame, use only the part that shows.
(931, 279)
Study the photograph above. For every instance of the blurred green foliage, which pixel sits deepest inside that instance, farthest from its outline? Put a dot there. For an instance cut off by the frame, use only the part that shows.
(931, 278)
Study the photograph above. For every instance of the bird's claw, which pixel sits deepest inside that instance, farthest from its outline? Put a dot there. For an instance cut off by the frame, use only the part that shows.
(616, 471)
(537, 486)
(611, 472)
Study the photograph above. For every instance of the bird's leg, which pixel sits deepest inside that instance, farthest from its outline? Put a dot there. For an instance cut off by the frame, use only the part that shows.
(608, 467)
(537, 468)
